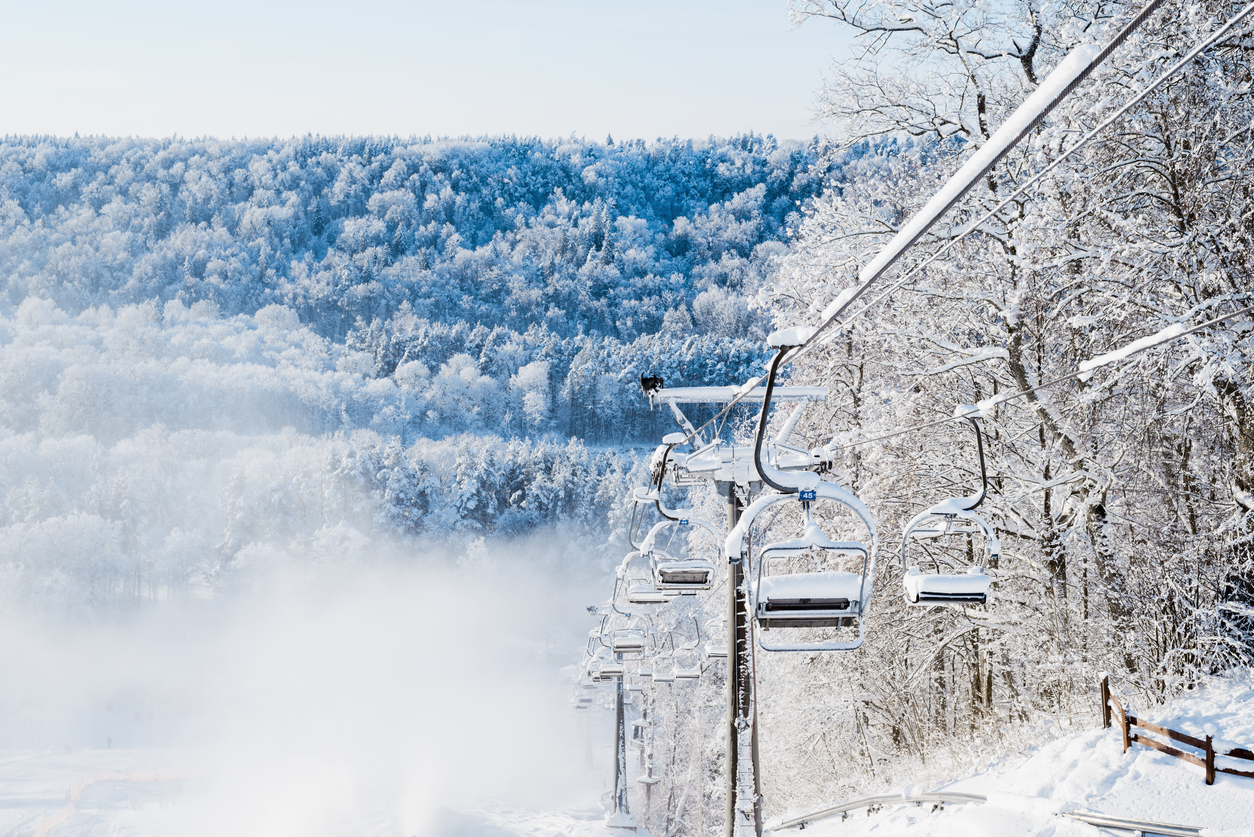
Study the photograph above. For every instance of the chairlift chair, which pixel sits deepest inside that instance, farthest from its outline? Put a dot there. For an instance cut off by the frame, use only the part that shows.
(686, 575)
(628, 642)
(635, 580)
(674, 575)
(818, 598)
(685, 659)
(953, 516)
(649, 777)
(716, 642)
(782, 595)
(687, 668)
(664, 662)
(611, 670)
(652, 496)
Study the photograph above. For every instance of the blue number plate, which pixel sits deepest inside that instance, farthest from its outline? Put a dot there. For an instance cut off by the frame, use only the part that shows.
(807, 494)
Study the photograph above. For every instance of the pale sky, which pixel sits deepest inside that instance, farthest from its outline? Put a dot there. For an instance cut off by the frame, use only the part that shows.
(633, 68)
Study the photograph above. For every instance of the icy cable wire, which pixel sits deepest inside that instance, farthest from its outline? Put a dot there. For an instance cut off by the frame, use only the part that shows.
(1081, 373)
(895, 249)
(945, 200)
(1039, 176)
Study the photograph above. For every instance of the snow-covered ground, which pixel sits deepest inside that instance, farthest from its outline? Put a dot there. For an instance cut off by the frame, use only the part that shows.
(1089, 771)
(155, 791)
(403, 703)
(382, 704)
(117, 793)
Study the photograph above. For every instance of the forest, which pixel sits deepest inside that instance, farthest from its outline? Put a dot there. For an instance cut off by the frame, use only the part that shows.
(362, 339)
(227, 355)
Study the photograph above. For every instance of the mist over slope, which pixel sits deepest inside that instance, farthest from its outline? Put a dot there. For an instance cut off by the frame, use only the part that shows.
(151, 452)
(374, 698)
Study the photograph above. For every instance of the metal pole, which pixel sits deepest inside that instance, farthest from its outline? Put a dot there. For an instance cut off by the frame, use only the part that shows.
(739, 684)
(734, 576)
(753, 750)
(620, 753)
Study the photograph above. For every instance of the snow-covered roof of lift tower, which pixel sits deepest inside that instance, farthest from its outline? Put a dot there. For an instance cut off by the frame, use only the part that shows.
(724, 395)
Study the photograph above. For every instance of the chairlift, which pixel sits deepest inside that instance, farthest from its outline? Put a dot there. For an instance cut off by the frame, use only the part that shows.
(784, 594)
(953, 516)
(664, 676)
(787, 596)
(716, 644)
(664, 663)
(611, 670)
(688, 669)
(686, 659)
(664, 461)
(686, 575)
(675, 575)
(629, 642)
(649, 777)
(635, 581)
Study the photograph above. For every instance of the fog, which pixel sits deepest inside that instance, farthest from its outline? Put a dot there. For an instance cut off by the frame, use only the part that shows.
(217, 619)
(392, 700)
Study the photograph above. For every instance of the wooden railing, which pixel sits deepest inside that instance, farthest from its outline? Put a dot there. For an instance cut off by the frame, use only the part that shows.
(1206, 761)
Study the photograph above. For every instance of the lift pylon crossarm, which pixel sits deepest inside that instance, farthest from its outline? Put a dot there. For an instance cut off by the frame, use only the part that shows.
(725, 395)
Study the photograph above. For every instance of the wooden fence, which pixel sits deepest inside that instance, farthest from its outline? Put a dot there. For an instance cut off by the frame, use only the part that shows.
(1206, 761)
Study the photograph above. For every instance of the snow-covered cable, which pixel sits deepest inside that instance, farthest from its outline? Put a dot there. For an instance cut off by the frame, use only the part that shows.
(1072, 70)
(1076, 67)
(1167, 335)
(1218, 35)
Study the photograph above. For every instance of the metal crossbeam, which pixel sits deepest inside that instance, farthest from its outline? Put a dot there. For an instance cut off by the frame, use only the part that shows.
(724, 395)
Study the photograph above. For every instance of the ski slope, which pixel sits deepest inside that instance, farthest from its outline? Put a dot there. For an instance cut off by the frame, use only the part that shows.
(1088, 771)
(339, 712)
(150, 791)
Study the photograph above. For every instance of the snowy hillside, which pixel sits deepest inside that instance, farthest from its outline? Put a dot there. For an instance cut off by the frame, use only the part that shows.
(1088, 771)
(142, 791)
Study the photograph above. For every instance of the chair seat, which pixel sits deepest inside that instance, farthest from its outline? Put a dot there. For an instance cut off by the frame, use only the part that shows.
(969, 587)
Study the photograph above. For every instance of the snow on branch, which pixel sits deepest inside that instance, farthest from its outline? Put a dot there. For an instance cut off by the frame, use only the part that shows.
(1167, 334)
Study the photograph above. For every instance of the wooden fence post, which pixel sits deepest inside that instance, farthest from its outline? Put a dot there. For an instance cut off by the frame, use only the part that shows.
(1210, 761)
(1105, 703)
(1128, 721)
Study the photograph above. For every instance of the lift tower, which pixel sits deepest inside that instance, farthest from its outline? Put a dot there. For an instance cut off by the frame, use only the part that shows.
(732, 471)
